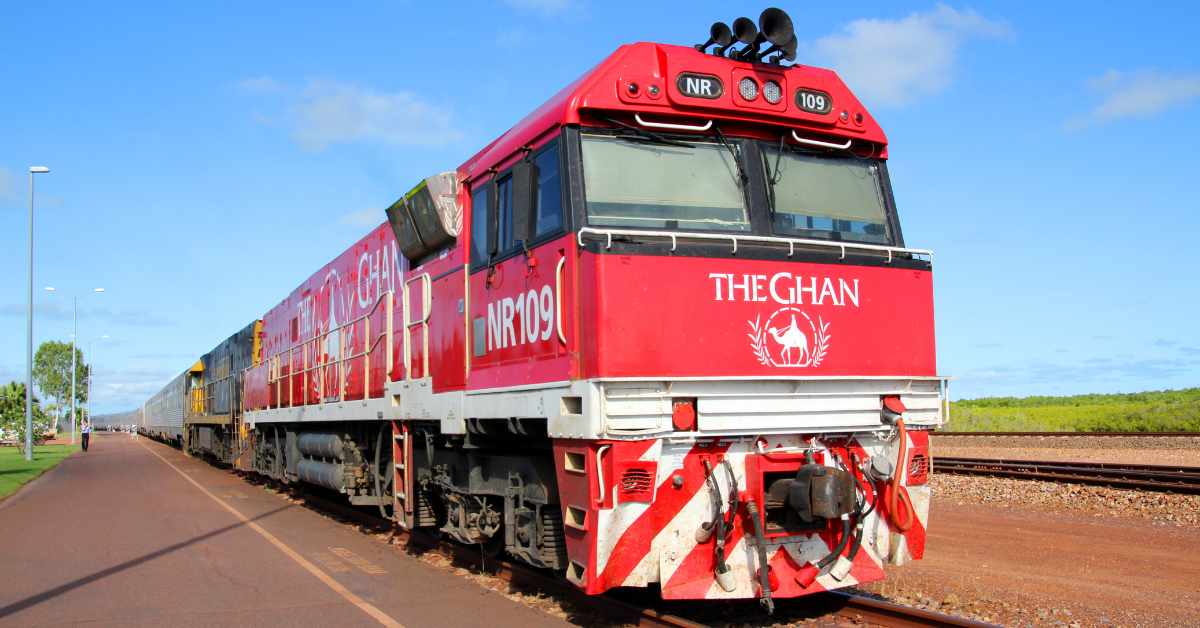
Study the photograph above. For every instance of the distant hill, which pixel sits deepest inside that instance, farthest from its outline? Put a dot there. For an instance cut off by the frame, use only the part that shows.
(1153, 411)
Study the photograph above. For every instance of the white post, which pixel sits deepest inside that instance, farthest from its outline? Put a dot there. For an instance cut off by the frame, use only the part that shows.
(29, 326)
(74, 335)
(29, 338)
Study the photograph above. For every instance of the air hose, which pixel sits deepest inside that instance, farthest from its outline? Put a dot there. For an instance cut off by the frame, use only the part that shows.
(843, 538)
(717, 525)
(897, 496)
(764, 570)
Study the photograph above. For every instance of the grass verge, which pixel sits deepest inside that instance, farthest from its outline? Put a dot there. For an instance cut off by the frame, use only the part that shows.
(1153, 411)
(15, 471)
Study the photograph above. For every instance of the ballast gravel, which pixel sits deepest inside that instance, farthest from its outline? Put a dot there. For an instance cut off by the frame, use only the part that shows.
(1098, 501)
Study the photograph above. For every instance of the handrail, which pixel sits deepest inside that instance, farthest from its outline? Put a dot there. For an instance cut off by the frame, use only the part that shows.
(675, 127)
(805, 140)
(562, 336)
(426, 299)
(370, 344)
(426, 312)
(791, 242)
(600, 472)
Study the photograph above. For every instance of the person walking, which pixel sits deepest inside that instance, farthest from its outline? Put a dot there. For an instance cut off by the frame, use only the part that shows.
(85, 432)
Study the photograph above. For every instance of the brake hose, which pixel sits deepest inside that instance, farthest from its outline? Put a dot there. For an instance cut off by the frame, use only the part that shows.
(718, 522)
(733, 495)
(897, 496)
(841, 545)
(764, 570)
(860, 516)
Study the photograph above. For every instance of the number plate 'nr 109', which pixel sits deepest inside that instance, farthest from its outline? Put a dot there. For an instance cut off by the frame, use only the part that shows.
(813, 101)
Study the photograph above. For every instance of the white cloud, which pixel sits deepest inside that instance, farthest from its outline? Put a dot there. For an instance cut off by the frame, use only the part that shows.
(1137, 95)
(369, 217)
(261, 84)
(895, 62)
(548, 7)
(327, 112)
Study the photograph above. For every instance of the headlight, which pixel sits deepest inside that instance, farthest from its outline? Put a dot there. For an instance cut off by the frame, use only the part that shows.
(772, 92)
(748, 88)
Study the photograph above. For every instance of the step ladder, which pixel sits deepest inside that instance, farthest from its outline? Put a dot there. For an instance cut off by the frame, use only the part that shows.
(402, 487)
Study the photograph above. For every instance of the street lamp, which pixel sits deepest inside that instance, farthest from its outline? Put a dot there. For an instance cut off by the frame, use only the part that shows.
(29, 326)
(74, 335)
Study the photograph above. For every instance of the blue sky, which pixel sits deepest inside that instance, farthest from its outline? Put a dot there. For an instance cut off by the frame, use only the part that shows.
(205, 160)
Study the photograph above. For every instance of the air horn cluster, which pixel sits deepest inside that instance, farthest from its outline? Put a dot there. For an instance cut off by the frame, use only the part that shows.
(774, 26)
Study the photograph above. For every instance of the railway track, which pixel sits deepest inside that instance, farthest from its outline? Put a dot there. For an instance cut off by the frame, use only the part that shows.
(1146, 477)
(1074, 434)
(632, 611)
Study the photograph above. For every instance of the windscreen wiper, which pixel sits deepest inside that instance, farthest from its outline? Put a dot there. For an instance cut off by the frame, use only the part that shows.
(732, 153)
(638, 134)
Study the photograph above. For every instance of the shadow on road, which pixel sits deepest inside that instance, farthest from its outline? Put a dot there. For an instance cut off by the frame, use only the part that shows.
(38, 598)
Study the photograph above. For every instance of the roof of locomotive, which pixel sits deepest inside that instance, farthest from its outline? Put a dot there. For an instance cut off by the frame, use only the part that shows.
(656, 70)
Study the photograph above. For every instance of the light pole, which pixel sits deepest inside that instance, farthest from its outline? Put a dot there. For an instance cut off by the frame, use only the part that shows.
(29, 326)
(74, 336)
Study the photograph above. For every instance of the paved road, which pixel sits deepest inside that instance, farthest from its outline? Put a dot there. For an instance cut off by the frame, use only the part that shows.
(135, 533)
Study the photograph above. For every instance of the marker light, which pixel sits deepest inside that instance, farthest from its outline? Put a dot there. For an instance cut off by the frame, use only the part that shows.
(748, 88)
(772, 92)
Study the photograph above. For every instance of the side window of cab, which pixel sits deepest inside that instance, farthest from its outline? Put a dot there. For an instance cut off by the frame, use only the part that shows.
(520, 207)
(548, 207)
(480, 216)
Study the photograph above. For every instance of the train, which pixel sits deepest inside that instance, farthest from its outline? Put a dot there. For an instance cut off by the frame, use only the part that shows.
(663, 332)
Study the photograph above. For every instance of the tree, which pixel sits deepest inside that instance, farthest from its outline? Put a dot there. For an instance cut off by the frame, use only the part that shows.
(12, 413)
(52, 374)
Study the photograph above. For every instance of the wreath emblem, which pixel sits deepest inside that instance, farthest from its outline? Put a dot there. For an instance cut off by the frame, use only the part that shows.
(795, 348)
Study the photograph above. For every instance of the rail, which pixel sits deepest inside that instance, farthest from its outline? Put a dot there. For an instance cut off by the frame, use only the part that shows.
(1148, 477)
(204, 396)
(734, 239)
(423, 322)
(276, 377)
(1075, 434)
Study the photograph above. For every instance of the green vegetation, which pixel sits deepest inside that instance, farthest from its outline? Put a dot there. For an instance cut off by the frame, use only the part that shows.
(15, 471)
(12, 415)
(52, 374)
(1154, 411)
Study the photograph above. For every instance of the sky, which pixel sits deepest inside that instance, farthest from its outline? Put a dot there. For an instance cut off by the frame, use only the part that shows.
(206, 159)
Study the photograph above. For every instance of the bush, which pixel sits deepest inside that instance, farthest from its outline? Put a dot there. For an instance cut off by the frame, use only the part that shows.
(1153, 411)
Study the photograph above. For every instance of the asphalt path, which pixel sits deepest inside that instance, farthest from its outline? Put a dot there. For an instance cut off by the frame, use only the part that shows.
(134, 533)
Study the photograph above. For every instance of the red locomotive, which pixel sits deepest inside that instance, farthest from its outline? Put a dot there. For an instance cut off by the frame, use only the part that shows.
(664, 331)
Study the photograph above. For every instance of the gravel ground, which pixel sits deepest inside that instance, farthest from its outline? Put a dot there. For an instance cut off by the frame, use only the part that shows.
(1029, 508)
(1097, 501)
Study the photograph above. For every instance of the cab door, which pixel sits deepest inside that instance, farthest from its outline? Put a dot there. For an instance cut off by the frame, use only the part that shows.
(520, 275)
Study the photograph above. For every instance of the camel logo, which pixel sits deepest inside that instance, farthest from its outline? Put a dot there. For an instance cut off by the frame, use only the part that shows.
(789, 338)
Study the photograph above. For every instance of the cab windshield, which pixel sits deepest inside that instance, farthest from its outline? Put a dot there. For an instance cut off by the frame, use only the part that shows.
(655, 185)
(825, 197)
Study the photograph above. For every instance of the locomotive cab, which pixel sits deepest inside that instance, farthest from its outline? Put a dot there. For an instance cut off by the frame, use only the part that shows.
(710, 298)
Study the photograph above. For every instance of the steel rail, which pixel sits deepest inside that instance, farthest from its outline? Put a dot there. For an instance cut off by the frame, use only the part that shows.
(842, 604)
(1073, 434)
(874, 610)
(1148, 477)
